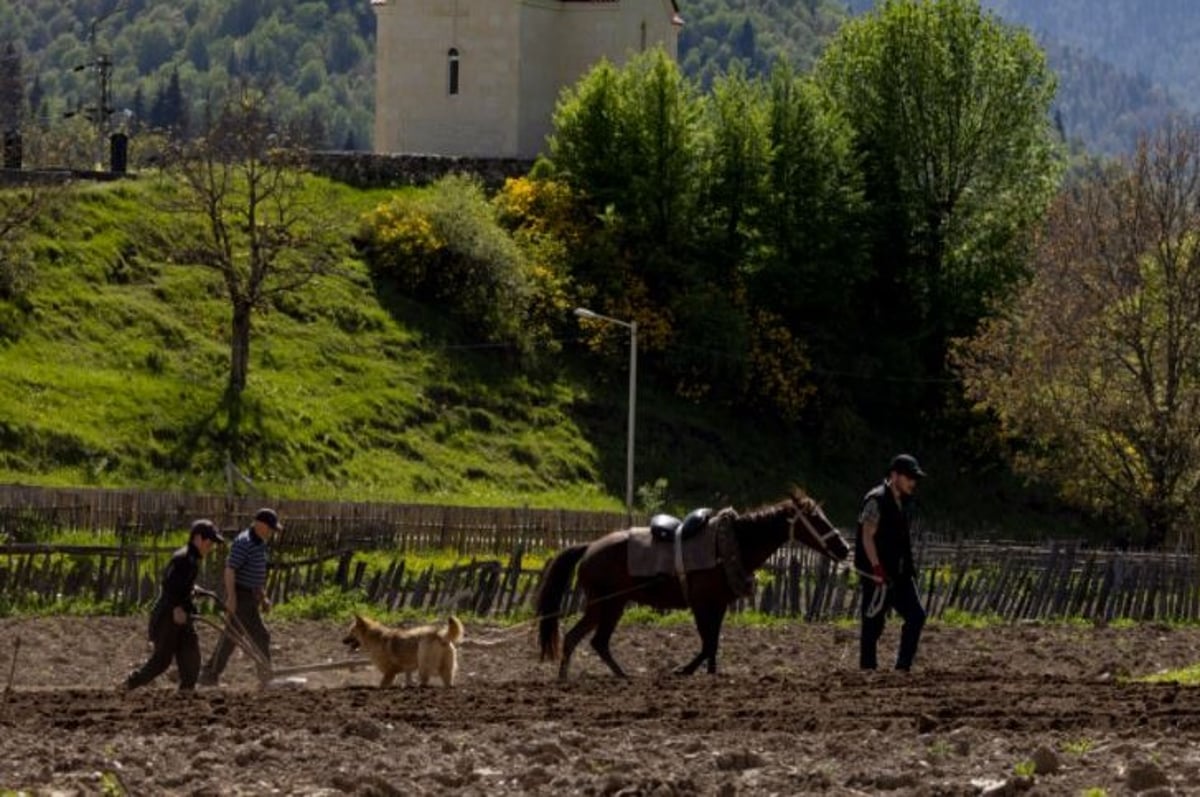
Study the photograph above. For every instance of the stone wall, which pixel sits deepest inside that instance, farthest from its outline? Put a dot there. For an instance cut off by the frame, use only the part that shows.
(375, 170)
(358, 169)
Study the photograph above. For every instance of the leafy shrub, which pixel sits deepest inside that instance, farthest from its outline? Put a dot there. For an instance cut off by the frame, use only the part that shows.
(446, 247)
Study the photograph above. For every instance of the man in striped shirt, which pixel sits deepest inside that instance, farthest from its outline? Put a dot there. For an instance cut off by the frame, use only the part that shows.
(245, 597)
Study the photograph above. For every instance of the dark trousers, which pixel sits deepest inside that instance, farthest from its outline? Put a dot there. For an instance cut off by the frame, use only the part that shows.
(171, 642)
(249, 625)
(901, 596)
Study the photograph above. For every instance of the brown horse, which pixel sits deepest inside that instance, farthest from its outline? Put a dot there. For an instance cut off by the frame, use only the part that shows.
(603, 575)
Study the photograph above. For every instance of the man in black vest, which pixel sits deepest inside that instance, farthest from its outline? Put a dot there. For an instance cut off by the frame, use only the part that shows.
(884, 549)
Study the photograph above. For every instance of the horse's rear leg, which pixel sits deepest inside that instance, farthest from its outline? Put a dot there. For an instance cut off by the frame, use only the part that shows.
(591, 617)
(609, 617)
(708, 623)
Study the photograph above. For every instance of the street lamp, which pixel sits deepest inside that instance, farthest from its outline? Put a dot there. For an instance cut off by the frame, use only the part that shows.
(583, 312)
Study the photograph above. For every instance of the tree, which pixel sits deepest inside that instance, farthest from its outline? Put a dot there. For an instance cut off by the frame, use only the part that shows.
(169, 111)
(1095, 371)
(950, 109)
(12, 89)
(813, 264)
(737, 151)
(260, 227)
(19, 210)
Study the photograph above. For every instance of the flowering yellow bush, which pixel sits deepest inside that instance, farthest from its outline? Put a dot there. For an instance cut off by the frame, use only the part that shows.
(401, 238)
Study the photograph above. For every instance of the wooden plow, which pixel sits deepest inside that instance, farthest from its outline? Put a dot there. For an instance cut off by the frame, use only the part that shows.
(269, 675)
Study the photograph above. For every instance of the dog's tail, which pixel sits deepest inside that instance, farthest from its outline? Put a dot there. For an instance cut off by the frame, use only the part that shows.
(453, 631)
(555, 580)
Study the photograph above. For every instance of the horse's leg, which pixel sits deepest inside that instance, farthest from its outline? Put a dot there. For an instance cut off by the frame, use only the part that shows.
(591, 616)
(609, 617)
(708, 622)
(714, 636)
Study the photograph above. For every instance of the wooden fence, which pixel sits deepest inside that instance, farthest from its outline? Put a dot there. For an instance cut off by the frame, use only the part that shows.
(323, 541)
(311, 527)
(1057, 581)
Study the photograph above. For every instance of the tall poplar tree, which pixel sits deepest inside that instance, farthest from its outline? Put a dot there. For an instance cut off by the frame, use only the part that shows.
(950, 111)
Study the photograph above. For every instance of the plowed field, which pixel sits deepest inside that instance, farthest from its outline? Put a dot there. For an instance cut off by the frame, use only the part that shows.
(1025, 709)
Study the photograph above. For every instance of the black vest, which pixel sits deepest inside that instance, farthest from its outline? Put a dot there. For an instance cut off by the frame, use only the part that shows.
(893, 538)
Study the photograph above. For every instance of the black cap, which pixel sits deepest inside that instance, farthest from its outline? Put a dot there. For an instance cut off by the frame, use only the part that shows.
(906, 464)
(207, 531)
(269, 517)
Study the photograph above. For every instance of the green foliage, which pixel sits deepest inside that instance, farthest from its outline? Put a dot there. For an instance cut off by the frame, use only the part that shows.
(950, 111)
(1092, 373)
(447, 248)
(1080, 746)
(329, 604)
(957, 618)
(686, 199)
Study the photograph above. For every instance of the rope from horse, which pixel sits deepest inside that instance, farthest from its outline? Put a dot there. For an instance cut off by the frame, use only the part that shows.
(878, 600)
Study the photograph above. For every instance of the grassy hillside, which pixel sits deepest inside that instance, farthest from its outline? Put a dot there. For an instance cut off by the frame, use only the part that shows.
(116, 363)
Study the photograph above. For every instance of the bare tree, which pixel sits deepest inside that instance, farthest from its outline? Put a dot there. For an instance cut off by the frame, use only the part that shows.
(262, 228)
(20, 207)
(1096, 369)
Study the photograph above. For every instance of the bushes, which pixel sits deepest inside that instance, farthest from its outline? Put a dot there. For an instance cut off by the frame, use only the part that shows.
(446, 247)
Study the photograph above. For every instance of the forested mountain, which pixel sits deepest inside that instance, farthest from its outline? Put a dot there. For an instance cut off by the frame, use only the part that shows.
(1123, 64)
(1151, 38)
(756, 32)
(166, 57)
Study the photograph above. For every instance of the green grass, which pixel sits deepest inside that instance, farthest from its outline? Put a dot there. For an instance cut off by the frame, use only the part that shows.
(1185, 676)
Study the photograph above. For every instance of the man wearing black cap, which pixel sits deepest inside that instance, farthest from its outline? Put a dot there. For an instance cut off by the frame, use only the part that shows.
(171, 626)
(245, 597)
(884, 558)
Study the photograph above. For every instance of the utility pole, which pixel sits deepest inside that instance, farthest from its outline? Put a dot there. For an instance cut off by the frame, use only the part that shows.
(102, 65)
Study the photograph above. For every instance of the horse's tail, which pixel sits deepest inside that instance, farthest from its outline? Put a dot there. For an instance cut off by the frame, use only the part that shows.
(555, 580)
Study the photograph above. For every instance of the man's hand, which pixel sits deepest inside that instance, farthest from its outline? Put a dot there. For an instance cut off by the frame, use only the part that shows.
(878, 573)
(179, 615)
(266, 604)
(231, 606)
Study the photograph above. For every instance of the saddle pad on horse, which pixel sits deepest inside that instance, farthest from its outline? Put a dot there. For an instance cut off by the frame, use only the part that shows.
(648, 557)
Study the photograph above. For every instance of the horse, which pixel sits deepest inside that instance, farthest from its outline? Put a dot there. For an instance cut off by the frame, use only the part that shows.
(602, 572)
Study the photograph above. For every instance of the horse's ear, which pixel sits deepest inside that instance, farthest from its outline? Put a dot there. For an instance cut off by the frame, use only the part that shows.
(798, 494)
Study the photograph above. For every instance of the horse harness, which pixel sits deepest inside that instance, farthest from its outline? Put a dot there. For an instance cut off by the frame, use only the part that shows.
(668, 528)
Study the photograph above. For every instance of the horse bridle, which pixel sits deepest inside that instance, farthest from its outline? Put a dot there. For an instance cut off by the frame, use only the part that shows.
(823, 539)
(881, 589)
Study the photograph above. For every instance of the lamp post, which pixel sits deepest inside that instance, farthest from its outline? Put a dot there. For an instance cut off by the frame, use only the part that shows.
(583, 312)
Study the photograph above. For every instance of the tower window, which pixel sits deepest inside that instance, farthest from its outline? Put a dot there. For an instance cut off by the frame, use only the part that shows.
(453, 64)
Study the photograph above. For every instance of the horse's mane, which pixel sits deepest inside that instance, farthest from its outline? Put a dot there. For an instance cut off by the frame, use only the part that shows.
(798, 498)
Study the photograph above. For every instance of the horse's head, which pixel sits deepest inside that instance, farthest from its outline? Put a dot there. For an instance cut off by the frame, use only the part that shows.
(810, 526)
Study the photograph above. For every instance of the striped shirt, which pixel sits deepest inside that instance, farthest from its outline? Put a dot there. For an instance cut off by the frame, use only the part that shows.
(248, 560)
